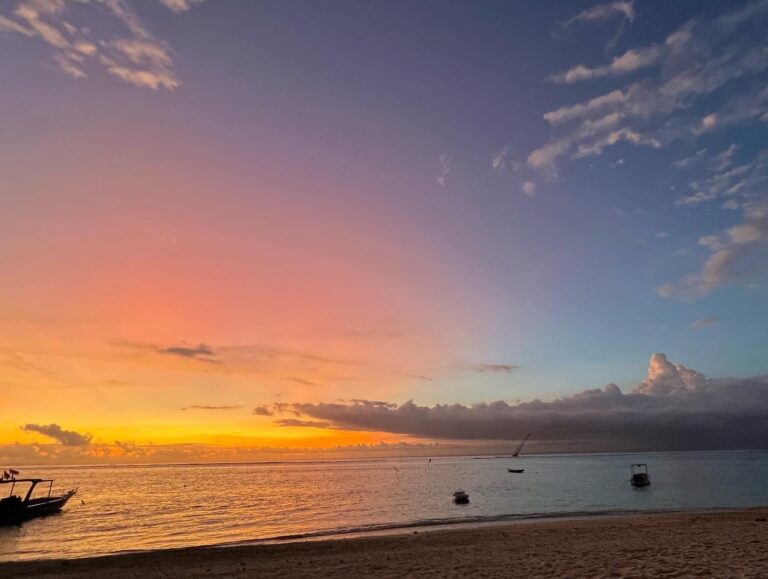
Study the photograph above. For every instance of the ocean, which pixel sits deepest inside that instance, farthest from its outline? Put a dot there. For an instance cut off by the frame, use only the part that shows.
(129, 508)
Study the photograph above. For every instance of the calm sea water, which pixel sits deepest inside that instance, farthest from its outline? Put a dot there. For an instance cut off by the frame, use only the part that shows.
(151, 507)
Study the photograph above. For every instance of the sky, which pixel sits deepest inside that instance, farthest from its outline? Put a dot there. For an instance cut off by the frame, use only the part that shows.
(247, 230)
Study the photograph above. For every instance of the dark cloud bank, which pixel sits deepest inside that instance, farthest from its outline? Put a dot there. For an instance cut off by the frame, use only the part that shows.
(675, 408)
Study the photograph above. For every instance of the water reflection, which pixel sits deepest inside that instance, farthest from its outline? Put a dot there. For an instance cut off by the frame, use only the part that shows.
(127, 508)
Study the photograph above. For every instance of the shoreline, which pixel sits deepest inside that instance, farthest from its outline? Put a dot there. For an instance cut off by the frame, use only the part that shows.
(398, 529)
(395, 529)
(723, 542)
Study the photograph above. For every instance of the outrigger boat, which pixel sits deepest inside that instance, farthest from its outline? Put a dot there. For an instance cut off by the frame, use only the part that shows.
(521, 445)
(15, 509)
(517, 452)
(640, 476)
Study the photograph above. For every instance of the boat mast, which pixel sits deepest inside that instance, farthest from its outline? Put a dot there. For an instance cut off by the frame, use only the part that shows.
(520, 447)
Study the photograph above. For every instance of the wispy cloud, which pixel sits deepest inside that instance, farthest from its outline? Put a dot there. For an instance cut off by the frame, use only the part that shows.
(275, 361)
(691, 161)
(499, 160)
(371, 334)
(698, 324)
(199, 352)
(303, 381)
(23, 363)
(445, 170)
(738, 255)
(303, 423)
(203, 407)
(80, 41)
(592, 107)
(630, 61)
(180, 5)
(746, 181)
(624, 10)
(693, 63)
(65, 437)
(724, 159)
(493, 368)
(8, 25)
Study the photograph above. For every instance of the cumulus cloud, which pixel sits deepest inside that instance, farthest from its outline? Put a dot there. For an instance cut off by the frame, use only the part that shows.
(671, 82)
(665, 378)
(529, 188)
(65, 437)
(79, 40)
(674, 408)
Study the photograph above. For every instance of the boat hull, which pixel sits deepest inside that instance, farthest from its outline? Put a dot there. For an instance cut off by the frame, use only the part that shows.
(34, 508)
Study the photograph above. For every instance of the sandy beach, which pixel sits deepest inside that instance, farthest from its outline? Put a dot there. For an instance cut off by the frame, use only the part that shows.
(722, 544)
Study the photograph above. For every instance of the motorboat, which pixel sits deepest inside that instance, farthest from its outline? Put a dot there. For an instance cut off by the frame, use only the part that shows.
(460, 497)
(17, 506)
(516, 470)
(640, 476)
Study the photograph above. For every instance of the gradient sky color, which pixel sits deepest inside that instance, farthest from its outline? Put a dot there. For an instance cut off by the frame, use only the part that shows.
(209, 206)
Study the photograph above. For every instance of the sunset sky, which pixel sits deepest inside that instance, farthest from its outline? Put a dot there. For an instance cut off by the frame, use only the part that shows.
(233, 230)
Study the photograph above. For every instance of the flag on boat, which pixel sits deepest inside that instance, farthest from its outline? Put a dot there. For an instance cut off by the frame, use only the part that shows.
(13, 472)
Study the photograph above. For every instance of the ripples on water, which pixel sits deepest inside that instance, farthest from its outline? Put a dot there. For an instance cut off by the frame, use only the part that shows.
(150, 507)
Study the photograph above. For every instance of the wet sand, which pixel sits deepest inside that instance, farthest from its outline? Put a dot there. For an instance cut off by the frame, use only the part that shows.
(721, 544)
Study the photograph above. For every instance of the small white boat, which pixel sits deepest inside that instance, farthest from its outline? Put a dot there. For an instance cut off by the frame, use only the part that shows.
(460, 497)
(640, 476)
